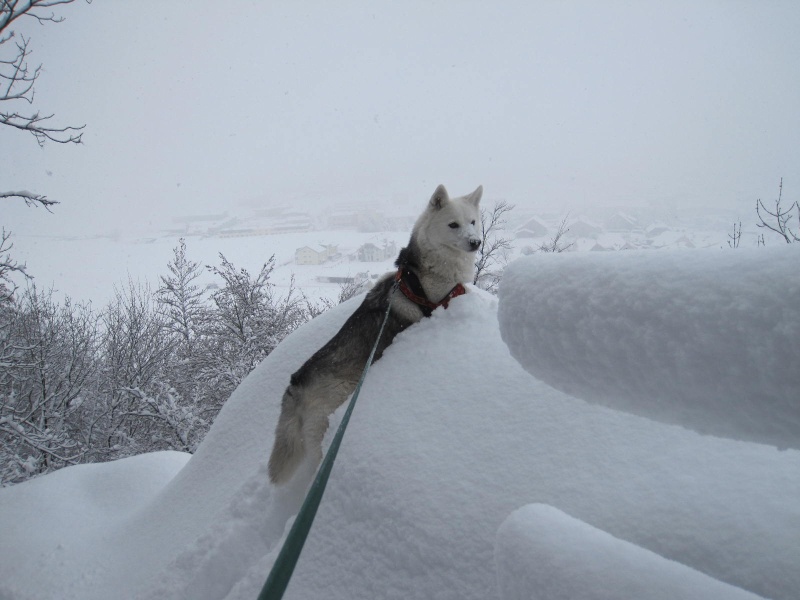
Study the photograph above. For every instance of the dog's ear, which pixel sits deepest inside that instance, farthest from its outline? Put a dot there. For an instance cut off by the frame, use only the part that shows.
(475, 197)
(439, 198)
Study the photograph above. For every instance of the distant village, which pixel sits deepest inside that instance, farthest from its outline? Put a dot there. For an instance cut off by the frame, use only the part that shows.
(634, 229)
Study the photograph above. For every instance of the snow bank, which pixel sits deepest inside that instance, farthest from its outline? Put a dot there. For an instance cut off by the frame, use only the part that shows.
(702, 338)
(450, 435)
(53, 528)
(544, 554)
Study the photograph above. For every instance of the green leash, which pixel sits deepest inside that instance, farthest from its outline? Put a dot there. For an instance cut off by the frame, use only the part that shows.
(284, 565)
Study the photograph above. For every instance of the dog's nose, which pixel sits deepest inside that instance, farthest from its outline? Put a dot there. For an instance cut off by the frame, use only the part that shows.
(474, 244)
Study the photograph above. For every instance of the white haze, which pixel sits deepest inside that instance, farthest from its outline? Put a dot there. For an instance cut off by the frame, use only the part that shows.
(201, 107)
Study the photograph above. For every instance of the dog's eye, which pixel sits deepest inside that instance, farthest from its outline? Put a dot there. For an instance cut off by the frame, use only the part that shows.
(473, 221)
(453, 225)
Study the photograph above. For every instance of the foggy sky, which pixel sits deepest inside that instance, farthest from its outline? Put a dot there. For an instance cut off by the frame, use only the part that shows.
(198, 107)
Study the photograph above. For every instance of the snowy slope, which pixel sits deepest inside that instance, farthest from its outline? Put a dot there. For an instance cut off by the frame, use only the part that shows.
(449, 438)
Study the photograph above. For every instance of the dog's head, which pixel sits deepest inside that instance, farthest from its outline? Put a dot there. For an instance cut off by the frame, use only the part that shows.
(454, 222)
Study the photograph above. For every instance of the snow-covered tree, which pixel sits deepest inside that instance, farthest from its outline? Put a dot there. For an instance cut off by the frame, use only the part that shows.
(149, 372)
(350, 289)
(242, 329)
(136, 344)
(182, 400)
(49, 361)
(183, 299)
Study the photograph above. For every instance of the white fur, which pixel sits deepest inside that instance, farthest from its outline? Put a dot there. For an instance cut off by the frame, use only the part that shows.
(446, 252)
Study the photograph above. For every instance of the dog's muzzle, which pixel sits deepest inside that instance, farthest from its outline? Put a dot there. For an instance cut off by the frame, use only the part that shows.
(474, 245)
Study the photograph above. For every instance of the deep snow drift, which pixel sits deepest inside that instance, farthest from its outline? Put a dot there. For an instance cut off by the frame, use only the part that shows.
(449, 438)
(709, 340)
(542, 551)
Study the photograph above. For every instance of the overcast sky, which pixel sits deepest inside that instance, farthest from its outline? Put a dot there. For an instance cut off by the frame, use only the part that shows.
(200, 106)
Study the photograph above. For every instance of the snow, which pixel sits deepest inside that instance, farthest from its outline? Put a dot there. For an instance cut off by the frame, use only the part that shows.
(545, 554)
(89, 268)
(450, 436)
(705, 339)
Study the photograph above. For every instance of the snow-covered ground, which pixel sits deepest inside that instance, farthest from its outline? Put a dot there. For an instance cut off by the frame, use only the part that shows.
(462, 475)
(89, 268)
(543, 553)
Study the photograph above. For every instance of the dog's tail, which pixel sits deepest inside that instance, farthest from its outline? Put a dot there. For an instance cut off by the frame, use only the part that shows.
(288, 450)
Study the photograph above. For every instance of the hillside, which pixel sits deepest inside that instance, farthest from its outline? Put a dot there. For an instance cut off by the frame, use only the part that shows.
(457, 469)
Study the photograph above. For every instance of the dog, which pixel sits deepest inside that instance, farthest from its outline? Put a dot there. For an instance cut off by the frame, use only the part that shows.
(431, 270)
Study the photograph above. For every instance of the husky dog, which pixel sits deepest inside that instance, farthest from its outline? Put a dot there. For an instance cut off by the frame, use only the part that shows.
(432, 269)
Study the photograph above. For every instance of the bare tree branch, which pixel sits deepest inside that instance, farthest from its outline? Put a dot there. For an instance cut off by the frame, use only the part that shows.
(493, 253)
(17, 79)
(30, 198)
(11, 10)
(782, 217)
(736, 236)
(555, 244)
(8, 266)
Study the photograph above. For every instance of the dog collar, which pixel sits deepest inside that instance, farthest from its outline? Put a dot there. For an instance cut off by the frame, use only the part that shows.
(409, 284)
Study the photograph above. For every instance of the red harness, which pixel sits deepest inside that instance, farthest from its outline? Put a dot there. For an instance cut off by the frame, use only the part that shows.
(418, 297)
